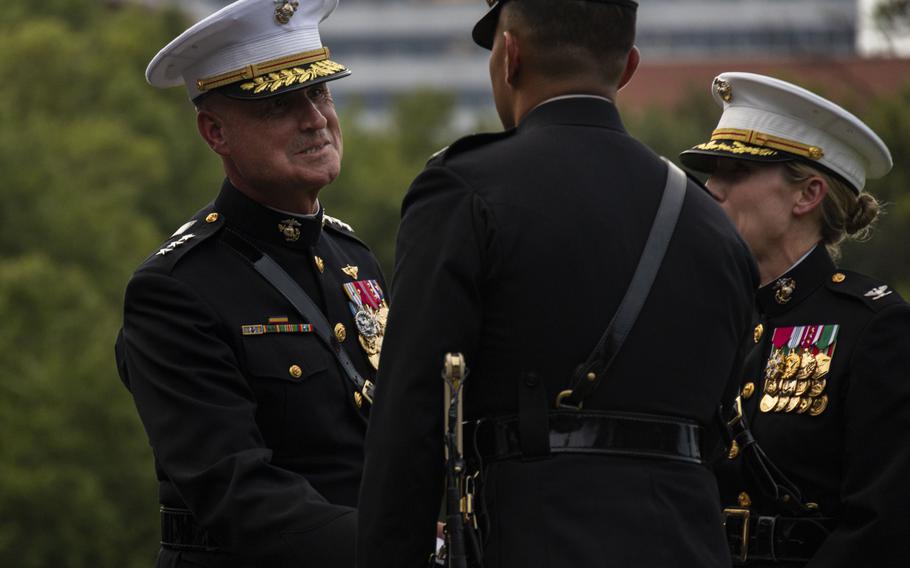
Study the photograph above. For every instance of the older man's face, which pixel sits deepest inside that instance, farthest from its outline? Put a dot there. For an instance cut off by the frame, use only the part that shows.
(282, 146)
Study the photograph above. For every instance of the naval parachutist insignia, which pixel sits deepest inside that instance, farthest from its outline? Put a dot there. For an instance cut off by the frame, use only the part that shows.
(285, 9)
(350, 271)
(290, 228)
(783, 290)
(174, 244)
(878, 292)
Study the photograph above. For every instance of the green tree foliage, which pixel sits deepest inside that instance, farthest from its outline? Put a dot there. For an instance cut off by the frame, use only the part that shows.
(96, 169)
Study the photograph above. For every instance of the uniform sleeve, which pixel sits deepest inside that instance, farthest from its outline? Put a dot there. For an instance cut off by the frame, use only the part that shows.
(875, 526)
(441, 264)
(199, 413)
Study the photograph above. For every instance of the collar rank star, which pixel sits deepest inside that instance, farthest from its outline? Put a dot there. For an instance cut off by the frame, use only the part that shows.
(174, 244)
(290, 228)
(878, 292)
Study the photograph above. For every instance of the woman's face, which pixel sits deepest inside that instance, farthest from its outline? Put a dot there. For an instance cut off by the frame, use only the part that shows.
(758, 198)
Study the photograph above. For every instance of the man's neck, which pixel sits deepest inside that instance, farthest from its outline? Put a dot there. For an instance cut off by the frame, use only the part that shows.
(529, 98)
(291, 201)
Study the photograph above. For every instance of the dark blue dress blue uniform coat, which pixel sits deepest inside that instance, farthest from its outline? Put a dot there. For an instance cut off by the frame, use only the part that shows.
(515, 249)
(267, 458)
(853, 459)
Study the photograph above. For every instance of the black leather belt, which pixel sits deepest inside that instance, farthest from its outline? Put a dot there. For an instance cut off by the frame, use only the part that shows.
(773, 538)
(180, 531)
(589, 432)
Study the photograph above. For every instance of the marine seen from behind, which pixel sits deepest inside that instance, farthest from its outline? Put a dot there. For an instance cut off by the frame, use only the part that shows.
(517, 249)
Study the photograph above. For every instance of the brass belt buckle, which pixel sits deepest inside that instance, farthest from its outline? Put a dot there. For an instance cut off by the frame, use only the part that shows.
(744, 514)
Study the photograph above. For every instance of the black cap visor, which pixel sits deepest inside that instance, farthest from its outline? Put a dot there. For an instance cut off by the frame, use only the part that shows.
(485, 28)
(284, 81)
(703, 157)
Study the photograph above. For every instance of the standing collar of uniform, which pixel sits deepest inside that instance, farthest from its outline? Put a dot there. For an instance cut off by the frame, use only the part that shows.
(585, 110)
(266, 224)
(806, 276)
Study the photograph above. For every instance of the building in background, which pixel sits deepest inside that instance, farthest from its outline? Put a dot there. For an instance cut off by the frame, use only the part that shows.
(398, 46)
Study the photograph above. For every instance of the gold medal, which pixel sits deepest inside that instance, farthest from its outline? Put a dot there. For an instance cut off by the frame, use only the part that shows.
(772, 386)
(767, 403)
(817, 386)
(807, 366)
(782, 403)
(775, 365)
(794, 402)
(804, 404)
(788, 387)
(791, 365)
(801, 388)
(822, 365)
(819, 405)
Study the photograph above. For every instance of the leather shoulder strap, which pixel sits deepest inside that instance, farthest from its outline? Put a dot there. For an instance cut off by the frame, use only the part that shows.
(591, 372)
(272, 272)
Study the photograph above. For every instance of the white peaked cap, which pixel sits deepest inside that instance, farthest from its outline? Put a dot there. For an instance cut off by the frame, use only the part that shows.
(250, 49)
(766, 119)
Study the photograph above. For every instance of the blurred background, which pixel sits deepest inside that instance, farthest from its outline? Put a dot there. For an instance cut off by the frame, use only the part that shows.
(97, 168)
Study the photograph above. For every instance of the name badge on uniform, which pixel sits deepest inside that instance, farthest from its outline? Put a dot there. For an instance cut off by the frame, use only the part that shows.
(797, 369)
(370, 312)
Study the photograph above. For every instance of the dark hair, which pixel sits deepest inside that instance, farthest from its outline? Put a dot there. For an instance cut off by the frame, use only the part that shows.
(569, 37)
(844, 213)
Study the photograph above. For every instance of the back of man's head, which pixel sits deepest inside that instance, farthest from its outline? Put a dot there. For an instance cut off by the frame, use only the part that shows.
(571, 38)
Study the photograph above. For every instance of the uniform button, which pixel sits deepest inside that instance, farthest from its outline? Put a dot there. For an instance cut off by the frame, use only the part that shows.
(757, 333)
(211, 217)
(340, 332)
(838, 277)
(744, 500)
(358, 399)
(748, 390)
(734, 450)
(320, 265)
(296, 371)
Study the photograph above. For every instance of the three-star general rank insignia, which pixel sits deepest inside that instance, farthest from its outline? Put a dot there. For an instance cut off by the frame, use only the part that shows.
(275, 325)
(797, 369)
(368, 305)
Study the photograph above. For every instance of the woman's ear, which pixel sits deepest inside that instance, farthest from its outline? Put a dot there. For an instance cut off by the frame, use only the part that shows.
(811, 194)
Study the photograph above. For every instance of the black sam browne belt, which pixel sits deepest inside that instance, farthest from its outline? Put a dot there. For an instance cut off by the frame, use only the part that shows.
(180, 531)
(753, 536)
(589, 432)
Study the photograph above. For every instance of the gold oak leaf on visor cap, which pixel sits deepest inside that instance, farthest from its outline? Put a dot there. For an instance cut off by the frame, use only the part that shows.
(486, 26)
(250, 49)
(769, 120)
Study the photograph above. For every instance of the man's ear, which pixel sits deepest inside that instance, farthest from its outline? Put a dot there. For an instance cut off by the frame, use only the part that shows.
(513, 57)
(211, 128)
(632, 61)
(811, 195)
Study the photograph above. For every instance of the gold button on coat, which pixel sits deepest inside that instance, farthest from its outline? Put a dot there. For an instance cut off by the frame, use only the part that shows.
(759, 330)
(748, 390)
(296, 371)
(340, 332)
(734, 450)
(839, 277)
(358, 399)
(744, 500)
(320, 264)
(211, 217)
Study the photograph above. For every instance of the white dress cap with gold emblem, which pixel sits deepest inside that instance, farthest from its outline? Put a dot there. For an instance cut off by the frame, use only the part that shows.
(250, 49)
(766, 119)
